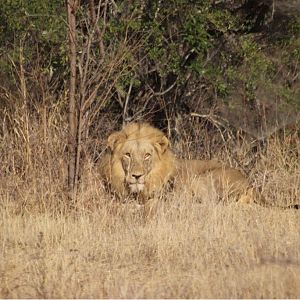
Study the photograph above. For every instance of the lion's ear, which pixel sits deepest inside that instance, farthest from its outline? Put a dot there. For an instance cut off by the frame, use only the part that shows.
(114, 139)
(162, 144)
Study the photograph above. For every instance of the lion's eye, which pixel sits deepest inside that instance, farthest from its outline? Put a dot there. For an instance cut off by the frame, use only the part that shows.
(147, 156)
(127, 155)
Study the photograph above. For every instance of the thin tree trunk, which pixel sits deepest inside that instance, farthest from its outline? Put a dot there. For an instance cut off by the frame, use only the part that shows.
(72, 138)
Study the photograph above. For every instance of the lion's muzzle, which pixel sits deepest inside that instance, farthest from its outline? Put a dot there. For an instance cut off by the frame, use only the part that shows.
(136, 182)
(136, 188)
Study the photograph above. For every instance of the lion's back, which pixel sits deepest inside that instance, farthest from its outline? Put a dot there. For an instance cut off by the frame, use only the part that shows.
(221, 176)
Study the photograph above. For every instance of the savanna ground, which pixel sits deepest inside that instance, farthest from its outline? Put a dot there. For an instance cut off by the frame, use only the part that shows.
(98, 248)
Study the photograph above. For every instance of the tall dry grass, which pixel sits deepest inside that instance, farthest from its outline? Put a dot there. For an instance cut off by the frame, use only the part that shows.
(98, 248)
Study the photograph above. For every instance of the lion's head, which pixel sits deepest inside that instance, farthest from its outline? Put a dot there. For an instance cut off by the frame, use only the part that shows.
(140, 162)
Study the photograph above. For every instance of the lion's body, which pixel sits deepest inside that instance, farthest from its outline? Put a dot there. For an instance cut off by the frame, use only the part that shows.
(141, 163)
(221, 176)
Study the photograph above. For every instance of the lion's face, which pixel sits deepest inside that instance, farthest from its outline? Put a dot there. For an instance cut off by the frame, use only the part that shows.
(140, 160)
(137, 162)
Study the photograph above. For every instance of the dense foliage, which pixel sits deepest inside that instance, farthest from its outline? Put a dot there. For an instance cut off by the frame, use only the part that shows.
(172, 60)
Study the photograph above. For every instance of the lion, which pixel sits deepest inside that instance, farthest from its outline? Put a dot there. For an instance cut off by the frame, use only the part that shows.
(141, 164)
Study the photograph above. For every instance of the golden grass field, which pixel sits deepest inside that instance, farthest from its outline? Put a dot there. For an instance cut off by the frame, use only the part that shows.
(101, 249)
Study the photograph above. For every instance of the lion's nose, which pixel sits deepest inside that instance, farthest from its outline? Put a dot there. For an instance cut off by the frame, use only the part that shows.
(137, 176)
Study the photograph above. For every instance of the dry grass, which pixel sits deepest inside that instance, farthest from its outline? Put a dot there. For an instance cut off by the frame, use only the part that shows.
(101, 249)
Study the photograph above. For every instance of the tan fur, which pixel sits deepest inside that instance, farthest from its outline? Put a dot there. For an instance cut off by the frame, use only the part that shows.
(136, 139)
(129, 172)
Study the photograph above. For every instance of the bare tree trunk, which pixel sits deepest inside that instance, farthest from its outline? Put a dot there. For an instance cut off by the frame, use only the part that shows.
(87, 78)
(72, 138)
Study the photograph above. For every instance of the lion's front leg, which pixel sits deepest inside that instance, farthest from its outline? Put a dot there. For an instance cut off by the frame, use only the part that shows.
(151, 207)
(248, 197)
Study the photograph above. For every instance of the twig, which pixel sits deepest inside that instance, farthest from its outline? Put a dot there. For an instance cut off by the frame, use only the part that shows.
(218, 125)
(126, 101)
